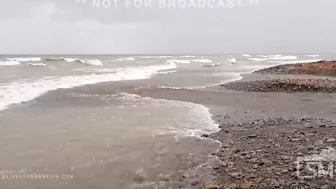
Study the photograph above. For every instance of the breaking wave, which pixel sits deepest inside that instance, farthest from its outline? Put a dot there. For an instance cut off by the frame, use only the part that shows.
(257, 59)
(313, 55)
(93, 62)
(232, 60)
(23, 91)
(37, 64)
(9, 63)
(32, 59)
(125, 59)
(179, 61)
(202, 60)
(283, 58)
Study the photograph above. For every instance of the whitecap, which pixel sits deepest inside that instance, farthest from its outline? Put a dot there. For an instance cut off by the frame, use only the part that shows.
(37, 64)
(313, 55)
(23, 91)
(179, 61)
(32, 59)
(283, 58)
(125, 59)
(257, 59)
(187, 56)
(232, 60)
(93, 62)
(202, 60)
(9, 63)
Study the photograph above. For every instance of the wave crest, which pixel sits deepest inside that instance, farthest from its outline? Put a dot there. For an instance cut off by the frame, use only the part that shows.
(9, 63)
(94, 62)
(179, 61)
(202, 60)
(31, 59)
(23, 91)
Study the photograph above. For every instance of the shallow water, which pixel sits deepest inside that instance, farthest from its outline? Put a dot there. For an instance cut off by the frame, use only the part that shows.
(57, 120)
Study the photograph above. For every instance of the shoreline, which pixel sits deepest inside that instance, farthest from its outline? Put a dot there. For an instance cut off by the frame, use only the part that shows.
(287, 125)
(262, 133)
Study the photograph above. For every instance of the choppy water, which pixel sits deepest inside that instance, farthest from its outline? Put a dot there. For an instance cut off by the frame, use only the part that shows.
(57, 118)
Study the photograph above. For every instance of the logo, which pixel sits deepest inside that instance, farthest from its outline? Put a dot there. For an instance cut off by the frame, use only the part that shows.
(316, 166)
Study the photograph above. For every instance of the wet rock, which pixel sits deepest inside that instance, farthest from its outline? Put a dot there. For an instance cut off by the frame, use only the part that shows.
(205, 135)
(285, 157)
(245, 186)
(275, 183)
(264, 162)
(211, 186)
(326, 186)
(318, 142)
(330, 140)
(252, 136)
(295, 139)
(194, 183)
(232, 186)
(234, 175)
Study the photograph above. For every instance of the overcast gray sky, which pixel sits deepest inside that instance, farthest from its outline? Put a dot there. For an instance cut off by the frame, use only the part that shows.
(66, 26)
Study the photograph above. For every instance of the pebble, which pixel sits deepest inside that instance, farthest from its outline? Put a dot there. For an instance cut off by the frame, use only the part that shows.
(249, 161)
(330, 140)
(232, 186)
(194, 183)
(285, 157)
(245, 186)
(252, 136)
(318, 142)
(211, 186)
(325, 186)
(276, 184)
(234, 175)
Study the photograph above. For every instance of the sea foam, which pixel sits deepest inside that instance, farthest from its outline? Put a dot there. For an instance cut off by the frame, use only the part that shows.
(9, 63)
(32, 59)
(179, 61)
(23, 91)
(202, 60)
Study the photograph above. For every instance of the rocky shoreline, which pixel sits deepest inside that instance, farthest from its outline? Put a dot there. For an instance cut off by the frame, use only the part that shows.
(269, 152)
(263, 153)
(284, 85)
(322, 68)
(263, 134)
